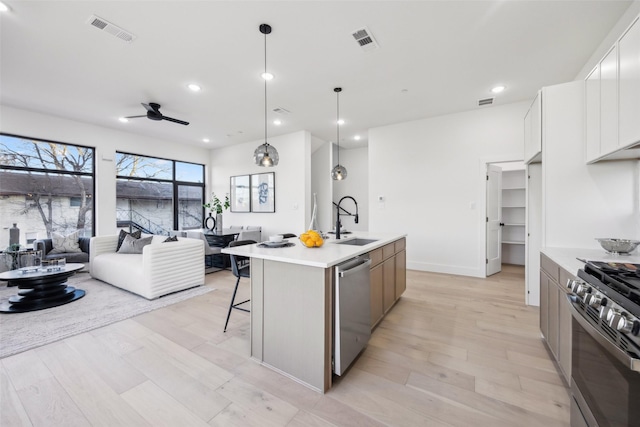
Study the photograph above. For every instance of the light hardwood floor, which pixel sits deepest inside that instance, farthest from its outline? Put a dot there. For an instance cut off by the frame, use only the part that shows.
(454, 351)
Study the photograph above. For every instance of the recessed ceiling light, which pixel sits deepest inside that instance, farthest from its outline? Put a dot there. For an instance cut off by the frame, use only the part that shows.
(340, 122)
(123, 119)
(498, 89)
(277, 122)
(3, 7)
(267, 76)
(357, 137)
(206, 140)
(194, 87)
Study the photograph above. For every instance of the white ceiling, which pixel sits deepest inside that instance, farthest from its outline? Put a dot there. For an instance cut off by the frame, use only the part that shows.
(435, 57)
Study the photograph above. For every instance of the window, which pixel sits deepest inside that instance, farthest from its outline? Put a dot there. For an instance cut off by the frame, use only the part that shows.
(158, 195)
(45, 186)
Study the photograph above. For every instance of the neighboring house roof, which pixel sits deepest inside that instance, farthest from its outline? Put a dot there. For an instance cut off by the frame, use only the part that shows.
(17, 183)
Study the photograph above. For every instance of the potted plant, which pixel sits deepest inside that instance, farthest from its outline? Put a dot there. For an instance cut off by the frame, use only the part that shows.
(217, 206)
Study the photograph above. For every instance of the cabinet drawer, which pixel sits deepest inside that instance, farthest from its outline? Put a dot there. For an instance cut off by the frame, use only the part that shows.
(550, 267)
(400, 245)
(388, 250)
(376, 256)
(564, 277)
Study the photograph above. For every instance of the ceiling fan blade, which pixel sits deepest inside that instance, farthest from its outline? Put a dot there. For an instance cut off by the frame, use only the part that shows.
(135, 117)
(182, 122)
(152, 107)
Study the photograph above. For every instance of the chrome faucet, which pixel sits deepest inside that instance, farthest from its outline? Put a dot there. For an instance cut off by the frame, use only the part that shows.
(338, 225)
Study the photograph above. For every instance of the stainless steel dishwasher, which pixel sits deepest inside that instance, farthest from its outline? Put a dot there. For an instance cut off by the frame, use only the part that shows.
(352, 311)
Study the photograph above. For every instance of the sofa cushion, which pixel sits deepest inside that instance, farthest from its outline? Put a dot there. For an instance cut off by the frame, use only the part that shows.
(171, 239)
(65, 244)
(131, 245)
(76, 257)
(123, 234)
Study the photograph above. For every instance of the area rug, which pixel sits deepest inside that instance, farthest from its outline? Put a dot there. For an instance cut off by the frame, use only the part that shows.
(102, 305)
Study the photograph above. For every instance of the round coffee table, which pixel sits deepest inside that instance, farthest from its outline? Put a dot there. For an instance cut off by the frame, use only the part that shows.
(40, 289)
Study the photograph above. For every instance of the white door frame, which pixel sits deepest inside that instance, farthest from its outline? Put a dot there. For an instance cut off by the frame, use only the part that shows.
(482, 209)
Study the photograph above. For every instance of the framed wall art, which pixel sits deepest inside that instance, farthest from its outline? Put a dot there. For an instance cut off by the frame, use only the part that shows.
(240, 194)
(263, 192)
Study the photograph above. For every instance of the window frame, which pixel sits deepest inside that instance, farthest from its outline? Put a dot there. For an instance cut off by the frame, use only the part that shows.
(175, 183)
(91, 174)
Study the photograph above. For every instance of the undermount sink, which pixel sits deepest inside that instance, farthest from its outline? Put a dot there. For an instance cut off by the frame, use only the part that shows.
(356, 242)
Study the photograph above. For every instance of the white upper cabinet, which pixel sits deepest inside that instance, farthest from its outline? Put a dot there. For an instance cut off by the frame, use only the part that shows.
(629, 85)
(592, 111)
(609, 101)
(612, 101)
(533, 131)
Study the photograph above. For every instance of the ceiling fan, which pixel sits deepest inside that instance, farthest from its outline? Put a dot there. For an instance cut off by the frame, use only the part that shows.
(153, 113)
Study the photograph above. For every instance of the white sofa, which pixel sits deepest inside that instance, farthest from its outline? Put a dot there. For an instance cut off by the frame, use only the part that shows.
(161, 269)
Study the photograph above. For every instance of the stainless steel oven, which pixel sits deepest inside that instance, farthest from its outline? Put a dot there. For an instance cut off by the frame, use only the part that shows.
(605, 371)
(606, 390)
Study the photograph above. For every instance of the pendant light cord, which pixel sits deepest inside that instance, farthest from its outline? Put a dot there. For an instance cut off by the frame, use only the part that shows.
(265, 91)
(338, 124)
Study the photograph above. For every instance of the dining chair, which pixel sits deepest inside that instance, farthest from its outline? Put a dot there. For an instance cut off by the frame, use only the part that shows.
(240, 267)
(251, 233)
(209, 251)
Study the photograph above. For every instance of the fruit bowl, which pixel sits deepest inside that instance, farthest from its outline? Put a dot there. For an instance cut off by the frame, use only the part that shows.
(618, 246)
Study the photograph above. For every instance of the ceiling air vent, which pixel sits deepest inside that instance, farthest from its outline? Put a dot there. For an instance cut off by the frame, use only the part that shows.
(365, 39)
(280, 110)
(110, 28)
(486, 101)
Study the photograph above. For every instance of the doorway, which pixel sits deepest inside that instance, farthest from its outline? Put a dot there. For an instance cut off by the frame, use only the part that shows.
(505, 215)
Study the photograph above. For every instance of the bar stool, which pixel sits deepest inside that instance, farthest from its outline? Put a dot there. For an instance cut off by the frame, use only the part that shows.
(240, 267)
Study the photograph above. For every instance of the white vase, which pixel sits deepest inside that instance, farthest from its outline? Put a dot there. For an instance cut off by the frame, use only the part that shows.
(313, 225)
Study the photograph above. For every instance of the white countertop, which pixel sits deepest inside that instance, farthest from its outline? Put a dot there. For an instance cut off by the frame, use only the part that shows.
(567, 257)
(325, 256)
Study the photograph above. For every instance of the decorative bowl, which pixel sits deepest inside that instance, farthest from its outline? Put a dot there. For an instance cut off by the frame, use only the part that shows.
(618, 246)
(276, 238)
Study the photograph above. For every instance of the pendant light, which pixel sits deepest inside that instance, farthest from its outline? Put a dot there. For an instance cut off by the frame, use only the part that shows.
(339, 172)
(265, 154)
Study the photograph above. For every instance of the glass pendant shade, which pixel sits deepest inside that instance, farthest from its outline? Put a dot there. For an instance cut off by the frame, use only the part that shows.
(266, 155)
(338, 172)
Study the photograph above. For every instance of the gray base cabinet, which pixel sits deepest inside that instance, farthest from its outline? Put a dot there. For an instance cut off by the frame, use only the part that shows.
(555, 313)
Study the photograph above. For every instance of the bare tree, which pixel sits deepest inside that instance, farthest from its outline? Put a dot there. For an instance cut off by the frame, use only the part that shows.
(41, 187)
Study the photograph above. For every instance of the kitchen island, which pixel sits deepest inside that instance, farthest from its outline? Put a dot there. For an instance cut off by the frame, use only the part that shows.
(292, 300)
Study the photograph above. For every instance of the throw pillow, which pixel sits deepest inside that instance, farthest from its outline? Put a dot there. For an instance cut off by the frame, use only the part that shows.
(171, 239)
(123, 234)
(131, 245)
(65, 244)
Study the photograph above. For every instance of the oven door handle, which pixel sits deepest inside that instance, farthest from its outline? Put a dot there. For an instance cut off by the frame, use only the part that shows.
(630, 362)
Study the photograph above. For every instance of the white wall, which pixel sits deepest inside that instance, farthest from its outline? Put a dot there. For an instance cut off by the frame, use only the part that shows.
(292, 181)
(429, 173)
(321, 184)
(356, 161)
(106, 142)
